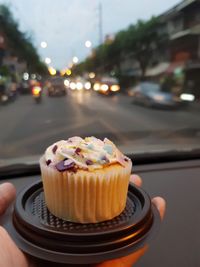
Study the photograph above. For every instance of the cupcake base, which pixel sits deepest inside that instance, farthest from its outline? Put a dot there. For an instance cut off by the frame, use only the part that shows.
(86, 197)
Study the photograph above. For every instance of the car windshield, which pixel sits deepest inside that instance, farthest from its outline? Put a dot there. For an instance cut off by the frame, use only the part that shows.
(68, 68)
(150, 87)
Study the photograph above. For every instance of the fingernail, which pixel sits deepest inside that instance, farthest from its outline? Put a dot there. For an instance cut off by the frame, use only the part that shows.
(160, 204)
(136, 179)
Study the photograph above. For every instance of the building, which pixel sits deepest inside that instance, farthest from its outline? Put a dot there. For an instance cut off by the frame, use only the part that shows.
(8, 59)
(182, 24)
(2, 47)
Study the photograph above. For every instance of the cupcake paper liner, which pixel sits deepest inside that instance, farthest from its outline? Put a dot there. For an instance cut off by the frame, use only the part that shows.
(86, 196)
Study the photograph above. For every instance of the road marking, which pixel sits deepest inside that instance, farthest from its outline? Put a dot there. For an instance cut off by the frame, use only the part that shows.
(113, 130)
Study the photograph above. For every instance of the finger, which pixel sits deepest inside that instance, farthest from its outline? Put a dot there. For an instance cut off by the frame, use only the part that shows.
(160, 204)
(136, 180)
(11, 255)
(127, 261)
(7, 195)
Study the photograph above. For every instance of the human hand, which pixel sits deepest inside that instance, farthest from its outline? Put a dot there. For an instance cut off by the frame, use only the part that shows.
(12, 256)
(131, 259)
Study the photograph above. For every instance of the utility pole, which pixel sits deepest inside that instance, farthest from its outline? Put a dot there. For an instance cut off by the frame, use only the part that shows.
(100, 24)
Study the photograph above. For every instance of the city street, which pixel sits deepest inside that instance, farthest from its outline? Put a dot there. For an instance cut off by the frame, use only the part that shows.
(28, 128)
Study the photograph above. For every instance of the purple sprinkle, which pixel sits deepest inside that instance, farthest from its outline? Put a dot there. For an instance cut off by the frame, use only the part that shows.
(68, 162)
(54, 149)
(89, 162)
(104, 158)
(64, 165)
(78, 150)
(48, 162)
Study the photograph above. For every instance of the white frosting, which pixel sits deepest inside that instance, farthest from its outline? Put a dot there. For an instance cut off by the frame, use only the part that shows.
(88, 153)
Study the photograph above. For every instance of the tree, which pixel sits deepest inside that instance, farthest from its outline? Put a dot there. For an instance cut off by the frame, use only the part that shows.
(19, 43)
(139, 40)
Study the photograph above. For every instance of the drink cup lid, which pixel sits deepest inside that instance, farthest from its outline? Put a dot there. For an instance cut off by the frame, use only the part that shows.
(42, 235)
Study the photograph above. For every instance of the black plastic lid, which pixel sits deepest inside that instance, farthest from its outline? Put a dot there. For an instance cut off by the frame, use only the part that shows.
(42, 235)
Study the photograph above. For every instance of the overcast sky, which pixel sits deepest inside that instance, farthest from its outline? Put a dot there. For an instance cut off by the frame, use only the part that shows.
(66, 25)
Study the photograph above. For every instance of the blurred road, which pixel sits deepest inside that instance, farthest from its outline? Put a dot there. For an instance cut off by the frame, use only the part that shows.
(28, 128)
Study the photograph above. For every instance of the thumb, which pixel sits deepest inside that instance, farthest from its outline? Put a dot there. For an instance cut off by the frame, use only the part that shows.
(7, 195)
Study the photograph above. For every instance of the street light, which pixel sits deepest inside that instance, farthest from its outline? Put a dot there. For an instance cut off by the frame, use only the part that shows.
(43, 44)
(68, 72)
(91, 75)
(75, 60)
(88, 44)
(52, 71)
(47, 60)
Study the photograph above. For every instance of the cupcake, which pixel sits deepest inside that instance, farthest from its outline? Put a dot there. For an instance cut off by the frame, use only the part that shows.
(85, 180)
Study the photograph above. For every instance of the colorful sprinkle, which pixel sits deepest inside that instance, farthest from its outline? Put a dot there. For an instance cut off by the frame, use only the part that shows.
(54, 149)
(90, 146)
(78, 150)
(48, 162)
(108, 149)
(89, 162)
(68, 162)
(105, 159)
(65, 165)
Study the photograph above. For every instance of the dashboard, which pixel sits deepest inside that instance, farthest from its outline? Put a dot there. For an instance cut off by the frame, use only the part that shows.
(178, 241)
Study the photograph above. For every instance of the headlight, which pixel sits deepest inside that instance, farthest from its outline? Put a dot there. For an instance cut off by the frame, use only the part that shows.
(104, 87)
(87, 85)
(115, 88)
(96, 87)
(66, 83)
(4, 98)
(187, 97)
(79, 86)
(72, 86)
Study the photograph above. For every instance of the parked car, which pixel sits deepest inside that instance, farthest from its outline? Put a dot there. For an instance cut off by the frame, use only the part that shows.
(25, 87)
(8, 90)
(56, 87)
(151, 95)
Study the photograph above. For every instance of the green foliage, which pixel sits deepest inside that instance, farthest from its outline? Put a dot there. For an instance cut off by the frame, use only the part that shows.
(139, 40)
(142, 39)
(4, 71)
(19, 43)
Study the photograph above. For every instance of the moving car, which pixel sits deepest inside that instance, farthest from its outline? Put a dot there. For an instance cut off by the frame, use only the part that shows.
(151, 95)
(56, 87)
(107, 86)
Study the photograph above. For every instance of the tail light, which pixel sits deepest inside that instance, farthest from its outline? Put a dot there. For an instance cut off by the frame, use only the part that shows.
(36, 90)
